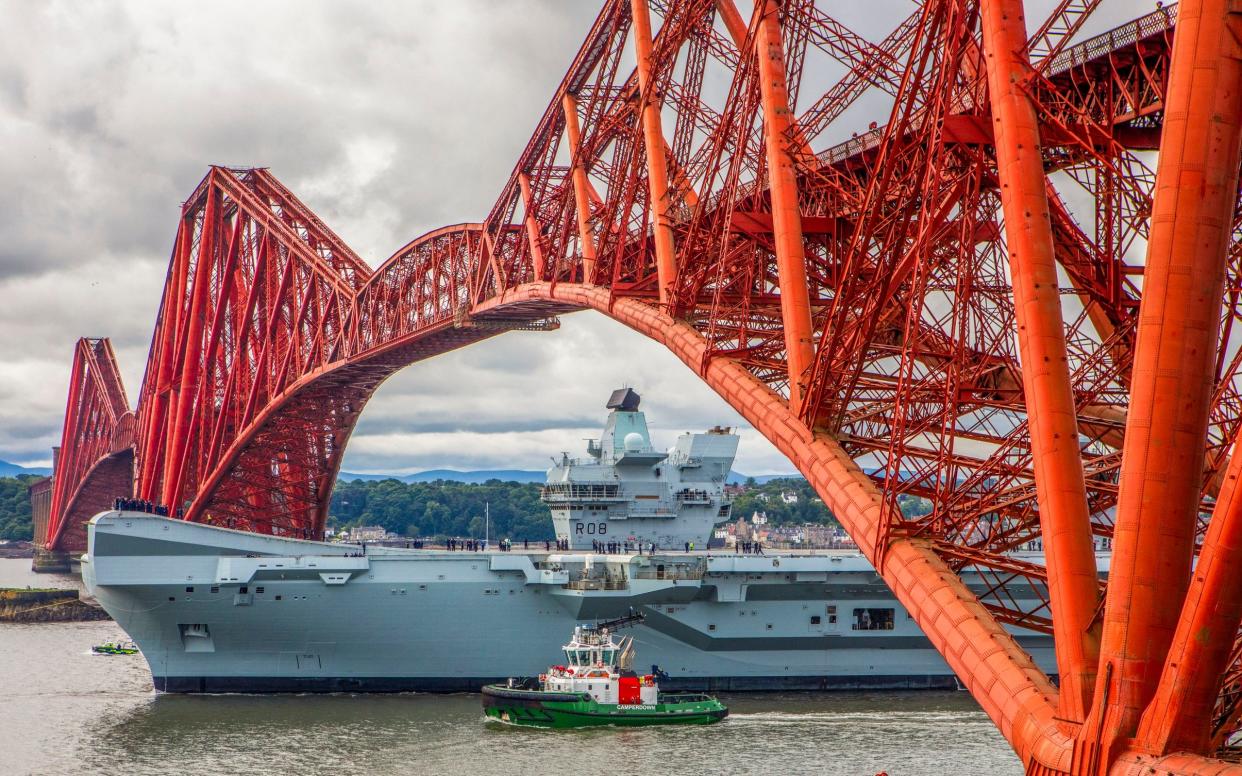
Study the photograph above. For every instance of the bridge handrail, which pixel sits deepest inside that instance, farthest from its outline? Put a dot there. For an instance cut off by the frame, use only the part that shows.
(1127, 34)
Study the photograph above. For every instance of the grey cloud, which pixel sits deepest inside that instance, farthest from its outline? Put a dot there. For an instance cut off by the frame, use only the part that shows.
(388, 119)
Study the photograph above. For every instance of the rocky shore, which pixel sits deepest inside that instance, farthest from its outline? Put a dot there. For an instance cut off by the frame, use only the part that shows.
(17, 550)
(29, 605)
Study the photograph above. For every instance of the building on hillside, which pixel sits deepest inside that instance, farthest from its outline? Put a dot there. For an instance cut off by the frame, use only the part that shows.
(810, 536)
(369, 533)
(789, 497)
(740, 530)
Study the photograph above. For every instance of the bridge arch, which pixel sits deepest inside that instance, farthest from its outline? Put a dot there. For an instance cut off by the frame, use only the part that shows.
(108, 478)
(849, 301)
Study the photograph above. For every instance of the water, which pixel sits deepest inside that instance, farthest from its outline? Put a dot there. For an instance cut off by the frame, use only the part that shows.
(66, 711)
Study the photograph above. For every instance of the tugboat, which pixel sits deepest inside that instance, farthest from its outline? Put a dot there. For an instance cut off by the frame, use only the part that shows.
(115, 648)
(597, 687)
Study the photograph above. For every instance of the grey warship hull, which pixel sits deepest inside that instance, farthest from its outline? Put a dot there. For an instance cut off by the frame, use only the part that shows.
(216, 610)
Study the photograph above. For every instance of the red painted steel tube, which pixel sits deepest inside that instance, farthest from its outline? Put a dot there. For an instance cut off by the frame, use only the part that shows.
(786, 216)
(191, 358)
(1179, 717)
(176, 352)
(157, 394)
(582, 197)
(532, 226)
(733, 22)
(653, 142)
(61, 484)
(1136, 763)
(1162, 465)
(1060, 486)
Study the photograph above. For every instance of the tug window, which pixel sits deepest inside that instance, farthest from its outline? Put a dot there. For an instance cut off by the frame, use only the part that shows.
(873, 619)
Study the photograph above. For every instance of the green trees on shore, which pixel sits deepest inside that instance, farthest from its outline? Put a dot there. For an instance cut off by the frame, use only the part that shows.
(443, 508)
(786, 501)
(15, 507)
(447, 508)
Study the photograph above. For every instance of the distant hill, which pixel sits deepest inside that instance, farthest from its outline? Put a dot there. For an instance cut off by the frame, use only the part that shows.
(12, 470)
(512, 475)
(474, 477)
(482, 475)
(431, 475)
(736, 478)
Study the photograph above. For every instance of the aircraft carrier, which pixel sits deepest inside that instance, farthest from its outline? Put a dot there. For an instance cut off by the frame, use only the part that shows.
(218, 610)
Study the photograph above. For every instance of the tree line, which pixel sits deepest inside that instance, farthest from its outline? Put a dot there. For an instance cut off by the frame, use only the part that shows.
(442, 508)
(808, 508)
(768, 498)
(446, 508)
(15, 507)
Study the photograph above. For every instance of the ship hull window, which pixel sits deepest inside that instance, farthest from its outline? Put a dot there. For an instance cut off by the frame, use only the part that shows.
(875, 618)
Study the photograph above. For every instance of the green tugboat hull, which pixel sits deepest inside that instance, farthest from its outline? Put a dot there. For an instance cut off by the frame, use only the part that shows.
(537, 708)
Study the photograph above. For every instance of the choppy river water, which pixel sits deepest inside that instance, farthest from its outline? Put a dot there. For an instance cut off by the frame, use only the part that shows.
(66, 711)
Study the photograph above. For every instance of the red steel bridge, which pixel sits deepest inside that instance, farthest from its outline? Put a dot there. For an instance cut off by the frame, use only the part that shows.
(997, 296)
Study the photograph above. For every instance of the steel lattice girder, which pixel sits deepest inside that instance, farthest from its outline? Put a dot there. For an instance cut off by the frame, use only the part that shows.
(858, 303)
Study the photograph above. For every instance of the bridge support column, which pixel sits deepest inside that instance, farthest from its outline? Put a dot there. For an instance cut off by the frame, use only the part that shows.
(532, 226)
(657, 163)
(1179, 717)
(1057, 459)
(1173, 377)
(48, 561)
(786, 215)
(190, 349)
(582, 198)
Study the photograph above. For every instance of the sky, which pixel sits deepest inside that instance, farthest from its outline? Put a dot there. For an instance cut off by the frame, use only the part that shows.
(388, 119)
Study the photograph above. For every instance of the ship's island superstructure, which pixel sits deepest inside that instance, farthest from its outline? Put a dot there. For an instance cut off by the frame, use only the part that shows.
(627, 491)
(219, 610)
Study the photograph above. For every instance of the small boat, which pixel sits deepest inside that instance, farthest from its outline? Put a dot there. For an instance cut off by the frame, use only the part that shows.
(115, 648)
(597, 687)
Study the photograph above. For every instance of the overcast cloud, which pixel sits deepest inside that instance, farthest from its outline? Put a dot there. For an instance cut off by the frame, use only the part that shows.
(387, 118)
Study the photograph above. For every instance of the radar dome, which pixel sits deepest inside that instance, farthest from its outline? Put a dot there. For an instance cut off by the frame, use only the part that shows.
(633, 442)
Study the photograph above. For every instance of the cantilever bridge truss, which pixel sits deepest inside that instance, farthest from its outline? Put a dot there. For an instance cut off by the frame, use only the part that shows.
(1013, 294)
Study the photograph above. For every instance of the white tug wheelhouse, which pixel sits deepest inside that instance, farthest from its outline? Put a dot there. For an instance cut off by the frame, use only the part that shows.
(601, 666)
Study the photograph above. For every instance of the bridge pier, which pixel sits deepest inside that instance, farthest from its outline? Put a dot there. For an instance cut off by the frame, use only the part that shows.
(48, 561)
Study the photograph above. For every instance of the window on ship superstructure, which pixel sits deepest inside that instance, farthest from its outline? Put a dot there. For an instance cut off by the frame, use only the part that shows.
(873, 619)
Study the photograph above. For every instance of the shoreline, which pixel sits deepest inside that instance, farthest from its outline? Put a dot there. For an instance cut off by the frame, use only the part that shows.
(39, 605)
